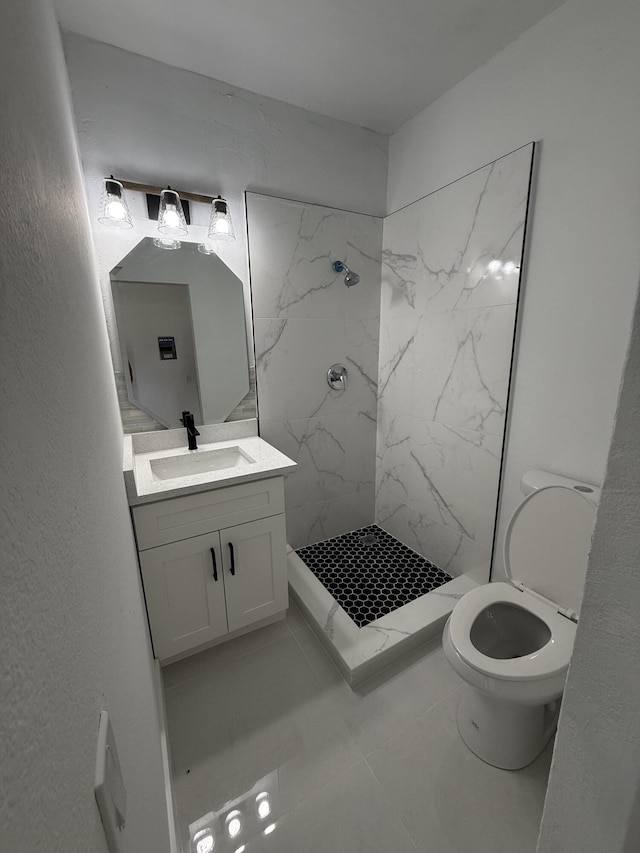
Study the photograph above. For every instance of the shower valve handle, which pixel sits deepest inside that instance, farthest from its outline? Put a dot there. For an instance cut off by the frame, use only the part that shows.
(337, 377)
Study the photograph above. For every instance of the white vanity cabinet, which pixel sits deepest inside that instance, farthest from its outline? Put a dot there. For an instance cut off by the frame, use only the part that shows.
(213, 564)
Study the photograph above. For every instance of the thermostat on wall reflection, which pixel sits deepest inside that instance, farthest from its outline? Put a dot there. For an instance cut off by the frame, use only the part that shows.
(110, 792)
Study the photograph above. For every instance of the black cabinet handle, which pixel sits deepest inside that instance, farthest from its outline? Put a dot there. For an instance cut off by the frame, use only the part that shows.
(233, 559)
(215, 565)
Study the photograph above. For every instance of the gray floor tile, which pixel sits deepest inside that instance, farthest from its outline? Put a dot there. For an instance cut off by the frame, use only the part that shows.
(452, 802)
(262, 713)
(375, 710)
(270, 711)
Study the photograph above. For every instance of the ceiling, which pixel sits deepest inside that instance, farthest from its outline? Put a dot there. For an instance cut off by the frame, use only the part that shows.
(375, 63)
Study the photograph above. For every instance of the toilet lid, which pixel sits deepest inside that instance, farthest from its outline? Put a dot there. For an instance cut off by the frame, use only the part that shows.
(547, 544)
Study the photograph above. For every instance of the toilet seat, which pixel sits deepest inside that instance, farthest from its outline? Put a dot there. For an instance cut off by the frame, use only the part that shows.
(546, 546)
(548, 661)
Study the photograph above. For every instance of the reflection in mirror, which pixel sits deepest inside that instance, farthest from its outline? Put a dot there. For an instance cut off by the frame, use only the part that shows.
(182, 339)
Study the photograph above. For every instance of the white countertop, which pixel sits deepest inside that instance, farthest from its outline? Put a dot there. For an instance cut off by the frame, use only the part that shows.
(144, 486)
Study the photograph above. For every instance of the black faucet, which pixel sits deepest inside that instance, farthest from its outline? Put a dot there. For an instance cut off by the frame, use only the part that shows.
(192, 432)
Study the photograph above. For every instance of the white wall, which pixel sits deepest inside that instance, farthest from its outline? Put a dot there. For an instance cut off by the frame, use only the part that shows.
(145, 121)
(593, 800)
(73, 635)
(571, 81)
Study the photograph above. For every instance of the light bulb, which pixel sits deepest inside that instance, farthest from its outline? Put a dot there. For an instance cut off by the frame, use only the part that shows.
(269, 829)
(171, 221)
(509, 267)
(171, 218)
(115, 210)
(221, 226)
(494, 266)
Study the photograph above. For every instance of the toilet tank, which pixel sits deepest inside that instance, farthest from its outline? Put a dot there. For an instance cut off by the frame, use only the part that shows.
(536, 479)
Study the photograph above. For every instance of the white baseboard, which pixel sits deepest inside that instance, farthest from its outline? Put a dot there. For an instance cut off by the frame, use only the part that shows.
(174, 843)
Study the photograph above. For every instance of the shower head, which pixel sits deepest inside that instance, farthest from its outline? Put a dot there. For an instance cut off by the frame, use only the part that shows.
(351, 277)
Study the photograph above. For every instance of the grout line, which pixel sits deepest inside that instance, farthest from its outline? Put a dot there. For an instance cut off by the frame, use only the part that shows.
(414, 719)
(324, 652)
(391, 806)
(417, 715)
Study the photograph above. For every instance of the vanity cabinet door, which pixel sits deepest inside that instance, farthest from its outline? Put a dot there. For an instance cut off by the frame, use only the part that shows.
(185, 601)
(255, 570)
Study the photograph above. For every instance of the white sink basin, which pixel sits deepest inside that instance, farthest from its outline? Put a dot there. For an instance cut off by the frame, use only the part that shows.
(199, 462)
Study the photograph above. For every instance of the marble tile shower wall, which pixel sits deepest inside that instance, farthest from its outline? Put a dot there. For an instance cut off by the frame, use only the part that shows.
(305, 320)
(447, 326)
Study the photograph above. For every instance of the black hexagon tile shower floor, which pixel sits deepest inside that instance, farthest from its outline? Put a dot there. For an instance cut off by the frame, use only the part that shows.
(370, 573)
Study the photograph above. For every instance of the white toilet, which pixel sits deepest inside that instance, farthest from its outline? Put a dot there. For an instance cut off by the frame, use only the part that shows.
(512, 641)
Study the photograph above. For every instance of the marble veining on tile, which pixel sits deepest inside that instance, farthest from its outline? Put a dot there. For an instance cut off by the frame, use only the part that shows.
(466, 225)
(292, 247)
(305, 320)
(451, 274)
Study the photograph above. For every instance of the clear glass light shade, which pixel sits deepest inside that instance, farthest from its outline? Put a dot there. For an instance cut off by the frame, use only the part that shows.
(171, 221)
(234, 824)
(205, 844)
(220, 224)
(113, 205)
(206, 248)
(167, 243)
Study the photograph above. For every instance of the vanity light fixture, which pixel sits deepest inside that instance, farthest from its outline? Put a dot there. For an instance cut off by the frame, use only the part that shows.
(220, 224)
(113, 205)
(173, 218)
